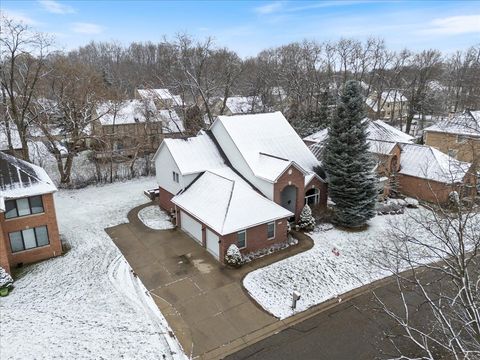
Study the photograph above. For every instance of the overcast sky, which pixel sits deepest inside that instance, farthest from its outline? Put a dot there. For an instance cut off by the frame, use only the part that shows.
(250, 26)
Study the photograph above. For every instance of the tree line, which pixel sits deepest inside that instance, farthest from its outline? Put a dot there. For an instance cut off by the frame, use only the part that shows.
(61, 89)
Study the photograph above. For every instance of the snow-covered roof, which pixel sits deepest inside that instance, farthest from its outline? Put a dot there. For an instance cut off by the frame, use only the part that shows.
(243, 104)
(19, 178)
(466, 123)
(126, 112)
(160, 94)
(428, 163)
(376, 130)
(195, 154)
(139, 111)
(171, 120)
(268, 143)
(393, 95)
(224, 202)
(381, 147)
(317, 137)
(388, 96)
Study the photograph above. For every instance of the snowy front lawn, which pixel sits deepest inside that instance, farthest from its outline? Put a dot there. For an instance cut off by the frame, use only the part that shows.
(86, 304)
(155, 218)
(339, 262)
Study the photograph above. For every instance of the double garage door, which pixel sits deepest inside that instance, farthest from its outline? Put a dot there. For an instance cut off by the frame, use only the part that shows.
(193, 228)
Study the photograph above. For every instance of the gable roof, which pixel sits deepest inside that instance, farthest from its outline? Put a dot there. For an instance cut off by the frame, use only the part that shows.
(160, 94)
(171, 120)
(268, 143)
(466, 123)
(243, 104)
(224, 202)
(429, 163)
(19, 178)
(127, 112)
(193, 155)
(376, 130)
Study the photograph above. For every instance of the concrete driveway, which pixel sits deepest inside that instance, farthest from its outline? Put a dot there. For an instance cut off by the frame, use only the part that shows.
(203, 301)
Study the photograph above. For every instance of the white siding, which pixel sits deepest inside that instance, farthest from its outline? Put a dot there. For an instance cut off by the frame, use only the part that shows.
(237, 160)
(164, 166)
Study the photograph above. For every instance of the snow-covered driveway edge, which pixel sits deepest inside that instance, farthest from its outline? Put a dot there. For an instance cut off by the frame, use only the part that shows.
(85, 304)
(131, 287)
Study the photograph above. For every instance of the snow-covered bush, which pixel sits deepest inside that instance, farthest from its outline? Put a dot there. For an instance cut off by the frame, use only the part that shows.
(234, 256)
(5, 279)
(454, 198)
(307, 221)
(411, 202)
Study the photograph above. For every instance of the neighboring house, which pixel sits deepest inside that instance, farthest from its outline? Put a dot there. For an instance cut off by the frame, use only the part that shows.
(457, 136)
(239, 182)
(234, 105)
(389, 105)
(428, 174)
(28, 224)
(134, 126)
(422, 171)
(162, 98)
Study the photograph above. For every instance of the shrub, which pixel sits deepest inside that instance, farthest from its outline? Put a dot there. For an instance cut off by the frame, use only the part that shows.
(307, 221)
(6, 282)
(233, 257)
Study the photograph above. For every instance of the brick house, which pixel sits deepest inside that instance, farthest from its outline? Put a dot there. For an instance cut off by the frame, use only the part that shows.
(134, 127)
(422, 171)
(234, 105)
(457, 136)
(239, 182)
(28, 223)
(390, 105)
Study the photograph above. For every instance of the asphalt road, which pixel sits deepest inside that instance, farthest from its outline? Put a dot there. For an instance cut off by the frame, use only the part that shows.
(353, 330)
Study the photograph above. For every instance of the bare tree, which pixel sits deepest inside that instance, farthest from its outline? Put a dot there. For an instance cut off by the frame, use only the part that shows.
(74, 91)
(23, 55)
(434, 256)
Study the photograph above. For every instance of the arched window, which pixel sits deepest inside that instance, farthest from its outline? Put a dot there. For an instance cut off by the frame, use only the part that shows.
(312, 197)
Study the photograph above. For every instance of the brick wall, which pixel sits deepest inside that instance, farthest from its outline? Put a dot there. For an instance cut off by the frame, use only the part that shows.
(257, 238)
(292, 176)
(423, 189)
(323, 191)
(465, 151)
(47, 218)
(165, 200)
(4, 258)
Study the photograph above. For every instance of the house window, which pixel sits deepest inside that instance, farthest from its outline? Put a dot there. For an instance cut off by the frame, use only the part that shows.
(271, 230)
(28, 239)
(23, 207)
(453, 153)
(242, 239)
(175, 176)
(312, 197)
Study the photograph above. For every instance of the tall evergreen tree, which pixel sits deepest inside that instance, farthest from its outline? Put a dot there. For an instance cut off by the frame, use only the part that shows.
(347, 162)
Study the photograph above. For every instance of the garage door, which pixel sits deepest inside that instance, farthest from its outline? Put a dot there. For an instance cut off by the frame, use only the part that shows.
(191, 226)
(212, 243)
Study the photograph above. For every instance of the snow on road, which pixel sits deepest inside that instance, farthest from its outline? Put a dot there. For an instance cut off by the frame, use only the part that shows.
(339, 262)
(86, 304)
(155, 218)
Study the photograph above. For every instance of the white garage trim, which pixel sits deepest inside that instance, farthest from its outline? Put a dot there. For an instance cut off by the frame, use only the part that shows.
(191, 226)
(213, 246)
